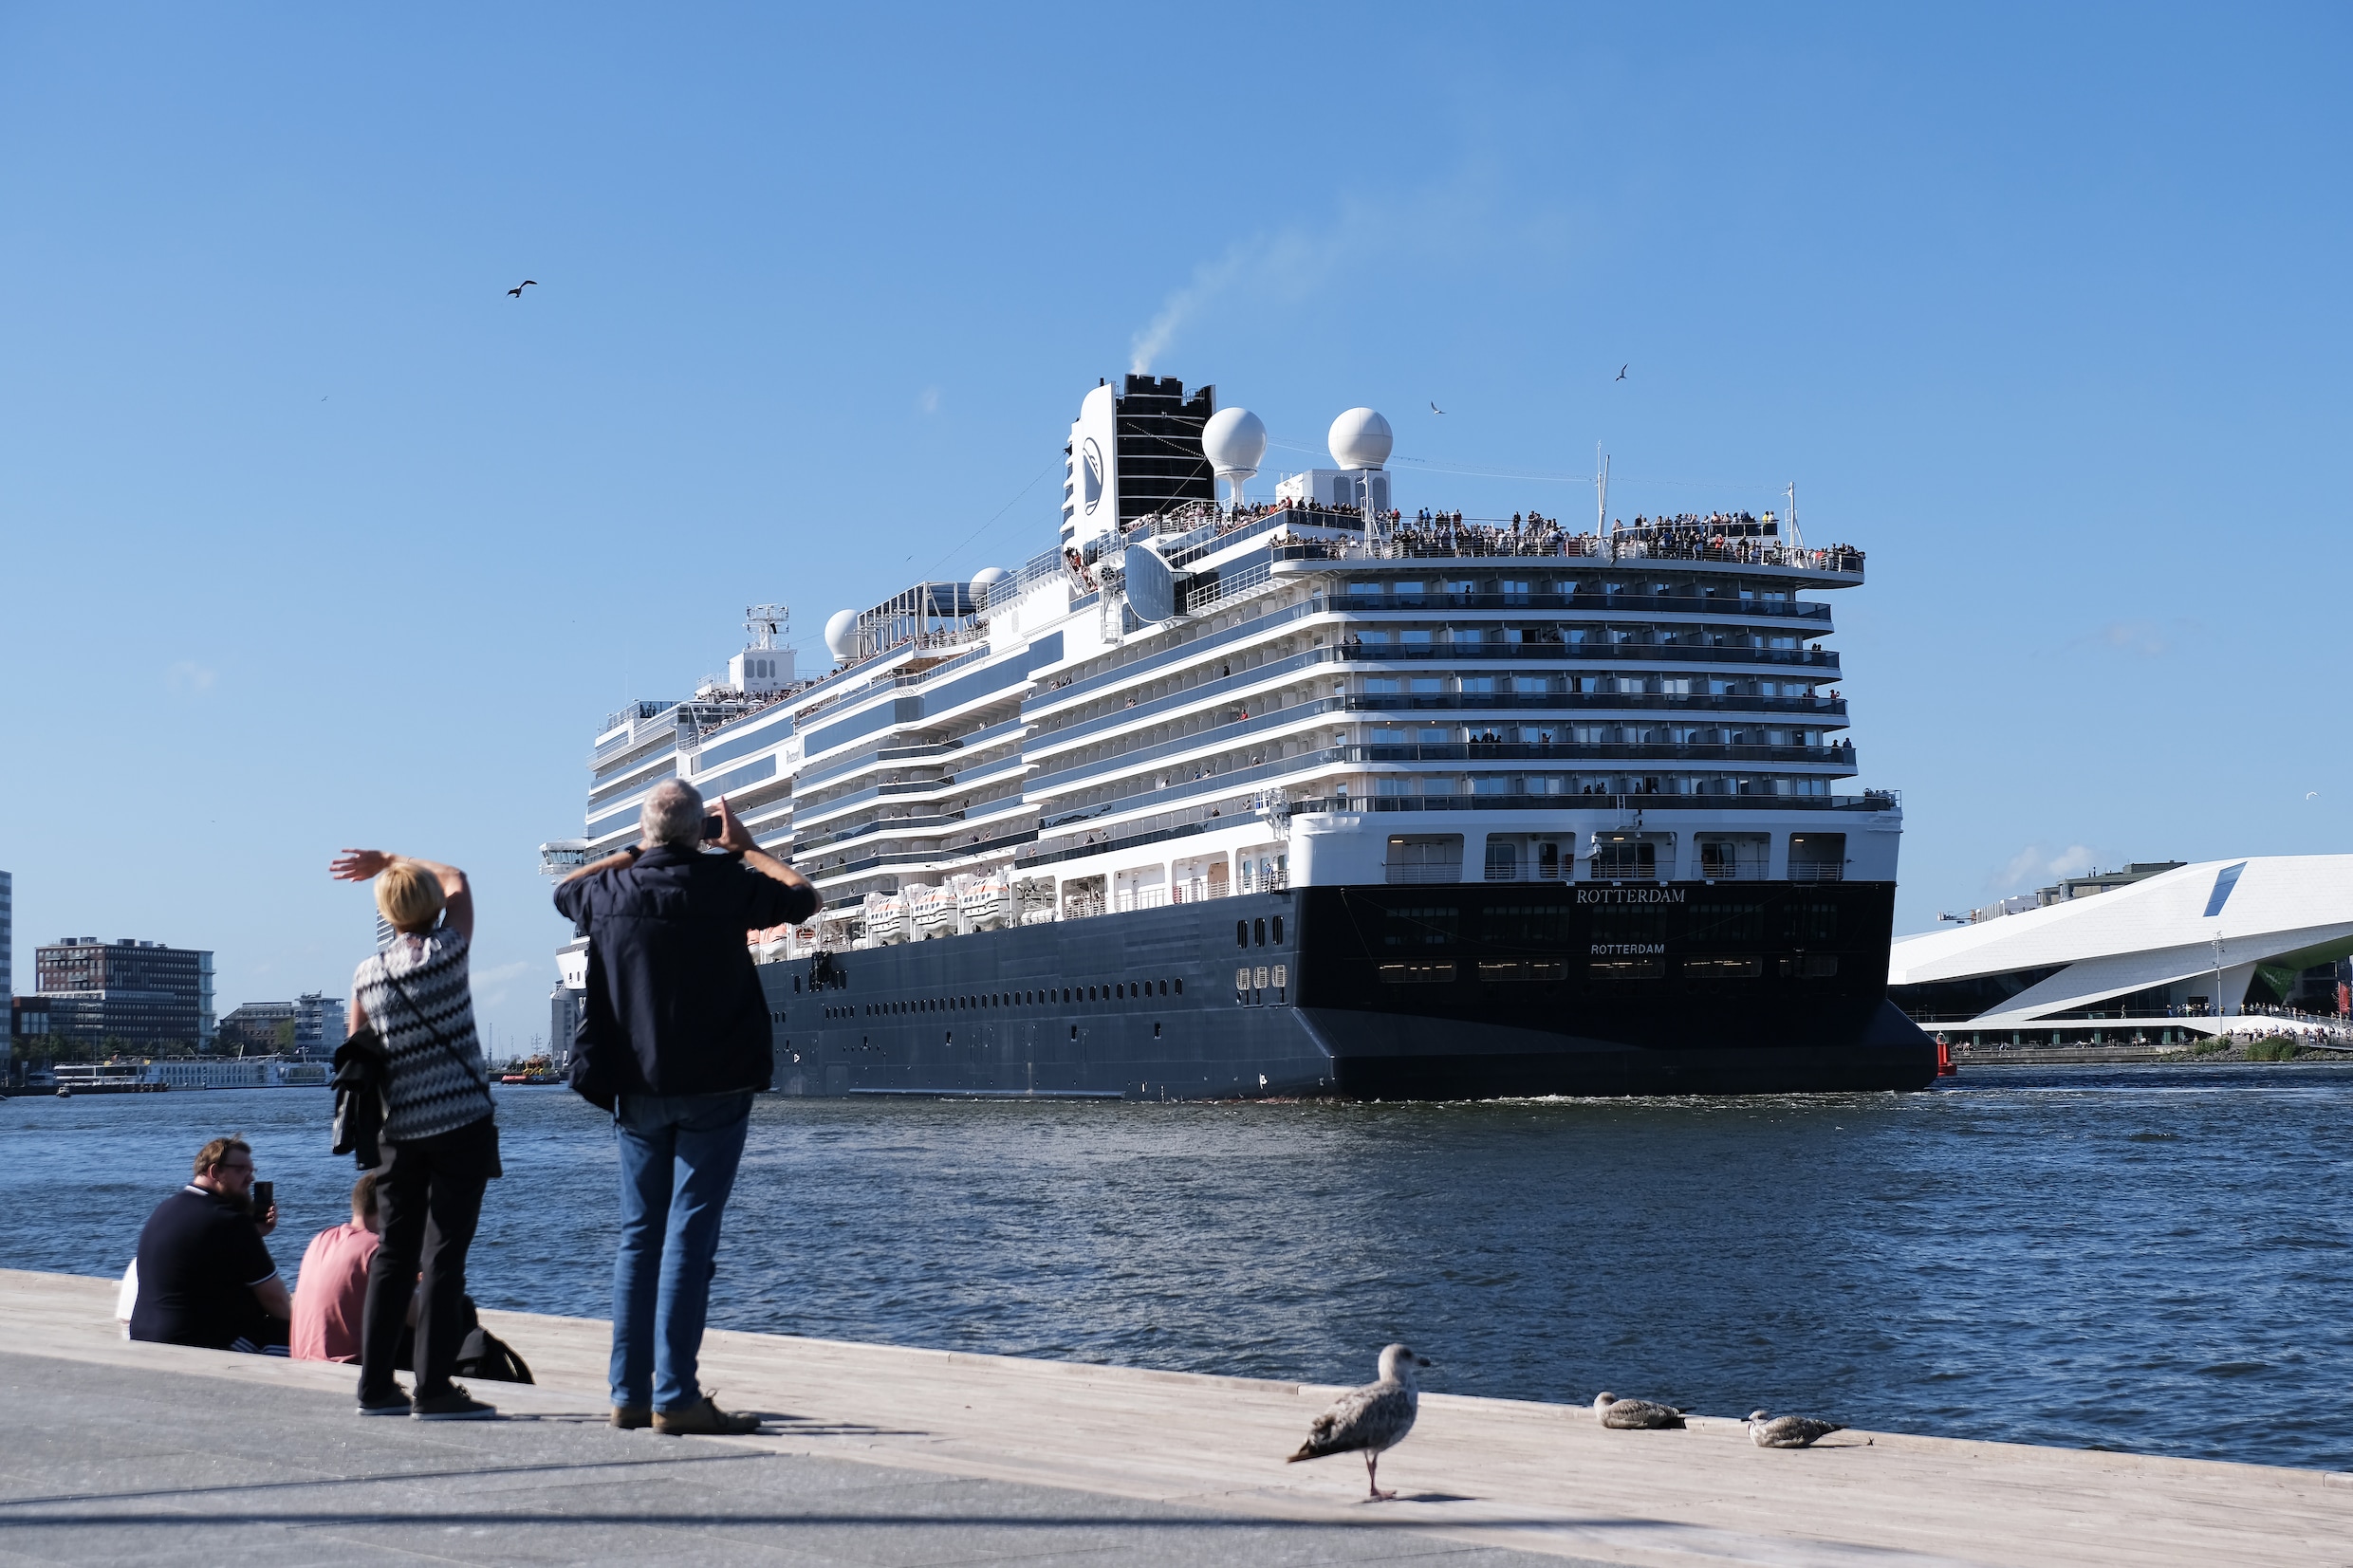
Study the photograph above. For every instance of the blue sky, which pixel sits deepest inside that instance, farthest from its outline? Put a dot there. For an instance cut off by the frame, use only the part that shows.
(310, 536)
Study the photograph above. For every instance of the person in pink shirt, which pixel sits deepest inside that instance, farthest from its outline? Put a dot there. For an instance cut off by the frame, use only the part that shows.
(330, 1294)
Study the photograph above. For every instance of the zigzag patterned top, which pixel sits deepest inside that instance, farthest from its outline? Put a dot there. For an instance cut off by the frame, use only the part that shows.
(433, 1089)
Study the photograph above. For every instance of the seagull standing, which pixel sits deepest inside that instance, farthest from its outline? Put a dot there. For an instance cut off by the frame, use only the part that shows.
(1635, 1414)
(1371, 1419)
(1787, 1432)
(516, 292)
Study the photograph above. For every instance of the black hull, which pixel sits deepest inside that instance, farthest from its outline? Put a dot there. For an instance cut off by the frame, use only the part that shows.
(1384, 992)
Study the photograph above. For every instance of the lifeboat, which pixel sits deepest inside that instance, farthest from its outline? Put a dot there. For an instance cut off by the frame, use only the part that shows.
(933, 909)
(886, 918)
(985, 902)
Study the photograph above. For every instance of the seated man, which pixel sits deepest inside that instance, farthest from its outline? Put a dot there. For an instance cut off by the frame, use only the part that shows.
(330, 1294)
(204, 1276)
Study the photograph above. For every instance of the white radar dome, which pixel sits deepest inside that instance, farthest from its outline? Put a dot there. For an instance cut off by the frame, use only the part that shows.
(1360, 439)
(1235, 440)
(841, 635)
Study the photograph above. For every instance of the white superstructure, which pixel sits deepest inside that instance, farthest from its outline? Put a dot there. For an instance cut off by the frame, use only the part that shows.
(1184, 700)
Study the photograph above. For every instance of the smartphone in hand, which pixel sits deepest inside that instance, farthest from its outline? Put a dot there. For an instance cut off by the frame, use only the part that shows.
(265, 1195)
(712, 827)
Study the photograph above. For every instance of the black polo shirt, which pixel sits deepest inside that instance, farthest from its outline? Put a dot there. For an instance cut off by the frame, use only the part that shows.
(674, 1005)
(200, 1259)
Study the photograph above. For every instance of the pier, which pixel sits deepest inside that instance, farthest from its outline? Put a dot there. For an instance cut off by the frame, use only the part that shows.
(885, 1454)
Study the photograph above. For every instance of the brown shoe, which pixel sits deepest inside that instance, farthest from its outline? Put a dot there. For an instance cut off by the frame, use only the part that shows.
(705, 1420)
(632, 1418)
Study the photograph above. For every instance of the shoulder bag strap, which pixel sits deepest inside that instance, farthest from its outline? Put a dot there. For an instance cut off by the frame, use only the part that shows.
(438, 1039)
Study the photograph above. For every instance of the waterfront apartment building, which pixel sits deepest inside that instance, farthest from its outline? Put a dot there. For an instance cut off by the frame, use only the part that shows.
(8, 936)
(140, 995)
(311, 1024)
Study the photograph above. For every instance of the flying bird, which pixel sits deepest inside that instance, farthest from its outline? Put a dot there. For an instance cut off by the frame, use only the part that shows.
(1787, 1432)
(1435, 409)
(1635, 1414)
(516, 292)
(1370, 1420)
(2311, 794)
(1621, 371)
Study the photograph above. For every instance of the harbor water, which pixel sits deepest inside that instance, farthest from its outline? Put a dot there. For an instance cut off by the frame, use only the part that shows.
(2145, 1259)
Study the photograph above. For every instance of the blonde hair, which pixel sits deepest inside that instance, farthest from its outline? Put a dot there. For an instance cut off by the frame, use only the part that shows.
(409, 895)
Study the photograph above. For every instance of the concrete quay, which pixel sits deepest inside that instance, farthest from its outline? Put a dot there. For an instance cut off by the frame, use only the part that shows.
(136, 1453)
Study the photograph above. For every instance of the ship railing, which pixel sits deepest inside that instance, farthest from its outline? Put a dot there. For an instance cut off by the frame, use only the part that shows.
(1406, 702)
(1245, 583)
(1572, 751)
(1632, 607)
(1412, 542)
(1889, 799)
(1452, 654)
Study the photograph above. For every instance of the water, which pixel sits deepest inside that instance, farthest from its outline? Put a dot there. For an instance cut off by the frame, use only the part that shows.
(2144, 1259)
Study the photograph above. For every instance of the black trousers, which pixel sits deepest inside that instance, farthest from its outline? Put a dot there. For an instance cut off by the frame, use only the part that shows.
(432, 1200)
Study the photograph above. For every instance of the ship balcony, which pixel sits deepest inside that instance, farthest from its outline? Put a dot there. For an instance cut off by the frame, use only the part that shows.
(1588, 603)
(1839, 757)
(1597, 652)
(1813, 708)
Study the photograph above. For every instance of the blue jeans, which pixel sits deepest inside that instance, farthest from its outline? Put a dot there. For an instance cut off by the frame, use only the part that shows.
(678, 1154)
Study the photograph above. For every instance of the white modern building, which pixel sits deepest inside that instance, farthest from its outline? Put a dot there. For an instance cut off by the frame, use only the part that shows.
(2180, 953)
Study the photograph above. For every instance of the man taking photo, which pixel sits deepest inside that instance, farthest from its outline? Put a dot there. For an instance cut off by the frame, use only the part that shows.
(204, 1276)
(676, 1038)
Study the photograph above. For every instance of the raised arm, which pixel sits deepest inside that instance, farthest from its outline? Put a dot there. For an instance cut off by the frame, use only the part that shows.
(618, 857)
(359, 865)
(738, 837)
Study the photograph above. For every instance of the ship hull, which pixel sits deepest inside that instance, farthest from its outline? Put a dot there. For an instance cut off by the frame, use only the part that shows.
(1449, 991)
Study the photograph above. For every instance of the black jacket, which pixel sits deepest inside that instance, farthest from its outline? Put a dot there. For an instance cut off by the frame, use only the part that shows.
(674, 1004)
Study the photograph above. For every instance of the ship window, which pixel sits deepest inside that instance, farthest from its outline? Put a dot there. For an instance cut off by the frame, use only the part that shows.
(1241, 934)
(1522, 969)
(796, 985)
(1440, 973)
(1262, 934)
(1626, 968)
(1722, 969)
(1278, 930)
(1180, 987)
(1156, 1031)
(1119, 994)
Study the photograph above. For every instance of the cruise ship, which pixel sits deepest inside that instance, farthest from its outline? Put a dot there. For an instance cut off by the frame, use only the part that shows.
(1309, 795)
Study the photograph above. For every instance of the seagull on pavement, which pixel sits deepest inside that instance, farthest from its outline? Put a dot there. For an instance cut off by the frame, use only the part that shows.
(1787, 1432)
(516, 292)
(1371, 1419)
(1635, 1414)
